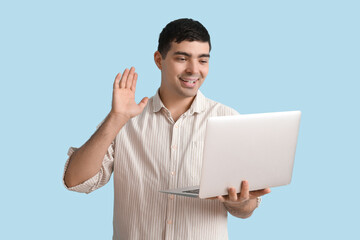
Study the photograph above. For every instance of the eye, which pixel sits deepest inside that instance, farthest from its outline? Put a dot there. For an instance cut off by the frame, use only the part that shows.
(180, 59)
(204, 61)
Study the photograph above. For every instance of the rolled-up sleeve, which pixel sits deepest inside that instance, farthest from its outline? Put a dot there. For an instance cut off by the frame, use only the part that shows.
(99, 179)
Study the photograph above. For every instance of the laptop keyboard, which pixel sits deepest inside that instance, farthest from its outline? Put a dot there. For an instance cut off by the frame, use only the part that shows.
(196, 191)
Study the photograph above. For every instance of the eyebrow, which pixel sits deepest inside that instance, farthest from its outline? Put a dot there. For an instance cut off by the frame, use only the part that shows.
(189, 55)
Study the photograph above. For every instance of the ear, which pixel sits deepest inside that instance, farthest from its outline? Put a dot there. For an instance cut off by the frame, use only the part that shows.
(157, 59)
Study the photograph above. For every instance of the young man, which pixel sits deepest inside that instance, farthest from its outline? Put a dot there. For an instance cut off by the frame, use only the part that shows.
(157, 144)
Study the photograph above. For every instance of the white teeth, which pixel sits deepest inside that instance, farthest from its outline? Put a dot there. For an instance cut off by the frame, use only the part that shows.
(188, 81)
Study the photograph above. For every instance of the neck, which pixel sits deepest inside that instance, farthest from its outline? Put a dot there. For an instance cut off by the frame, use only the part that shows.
(177, 105)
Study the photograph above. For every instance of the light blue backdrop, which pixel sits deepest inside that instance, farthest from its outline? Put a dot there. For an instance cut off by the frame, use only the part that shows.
(58, 60)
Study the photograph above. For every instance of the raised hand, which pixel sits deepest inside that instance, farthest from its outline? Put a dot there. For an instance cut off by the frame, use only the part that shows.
(123, 101)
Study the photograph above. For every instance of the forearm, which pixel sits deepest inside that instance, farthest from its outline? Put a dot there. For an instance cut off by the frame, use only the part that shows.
(85, 162)
(242, 210)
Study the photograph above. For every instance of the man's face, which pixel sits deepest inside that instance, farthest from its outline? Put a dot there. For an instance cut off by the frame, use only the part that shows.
(184, 68)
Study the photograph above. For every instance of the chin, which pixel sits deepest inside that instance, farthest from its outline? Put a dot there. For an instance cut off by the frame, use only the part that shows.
(189, 92)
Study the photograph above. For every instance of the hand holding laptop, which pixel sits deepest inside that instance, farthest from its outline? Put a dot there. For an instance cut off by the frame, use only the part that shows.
(244, 203)
(243, 196)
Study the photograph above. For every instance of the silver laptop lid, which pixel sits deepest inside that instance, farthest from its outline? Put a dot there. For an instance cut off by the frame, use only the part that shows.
(259, 148)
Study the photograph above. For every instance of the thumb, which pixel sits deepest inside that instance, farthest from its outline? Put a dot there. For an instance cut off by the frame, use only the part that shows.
(143, 102)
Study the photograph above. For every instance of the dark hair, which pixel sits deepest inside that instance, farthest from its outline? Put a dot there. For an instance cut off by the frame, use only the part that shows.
(180, 30)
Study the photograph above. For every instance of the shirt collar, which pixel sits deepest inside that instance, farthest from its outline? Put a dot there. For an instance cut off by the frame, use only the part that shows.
(198, 105)
(157, 103)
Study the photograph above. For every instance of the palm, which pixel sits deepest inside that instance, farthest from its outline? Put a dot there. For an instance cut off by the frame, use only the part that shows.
(123, 102)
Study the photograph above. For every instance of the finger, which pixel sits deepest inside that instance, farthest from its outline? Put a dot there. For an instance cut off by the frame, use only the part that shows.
(116, 81)
(129, 79)
(133, 85)
(143, 103)
(244, 194)
(259, 193)
(212, 198)
(124, 78)
(221, 198)
(232, 194)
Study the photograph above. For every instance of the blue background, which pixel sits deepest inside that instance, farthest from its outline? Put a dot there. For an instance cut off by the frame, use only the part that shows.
(58, 60)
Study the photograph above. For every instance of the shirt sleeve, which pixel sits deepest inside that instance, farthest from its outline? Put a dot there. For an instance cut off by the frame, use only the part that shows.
(99, 179)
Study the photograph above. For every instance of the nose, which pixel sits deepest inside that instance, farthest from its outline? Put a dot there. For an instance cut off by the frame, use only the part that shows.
(192, 67)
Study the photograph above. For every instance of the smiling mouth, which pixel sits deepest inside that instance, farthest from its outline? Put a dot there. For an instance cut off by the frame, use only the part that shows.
(188, 80)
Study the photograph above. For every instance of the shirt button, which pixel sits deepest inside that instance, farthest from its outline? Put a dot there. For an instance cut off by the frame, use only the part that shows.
(171, 196)
(172, 173)
(169, 222)
(176, 126)
(173, 147)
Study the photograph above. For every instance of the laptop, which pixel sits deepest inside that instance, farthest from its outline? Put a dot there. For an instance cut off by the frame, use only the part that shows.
(259, 148)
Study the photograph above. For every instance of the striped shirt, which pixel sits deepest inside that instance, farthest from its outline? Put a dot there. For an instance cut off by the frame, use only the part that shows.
(150, 153)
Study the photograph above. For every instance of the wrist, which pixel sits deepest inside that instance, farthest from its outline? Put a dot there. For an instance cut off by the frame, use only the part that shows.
(118, 117)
